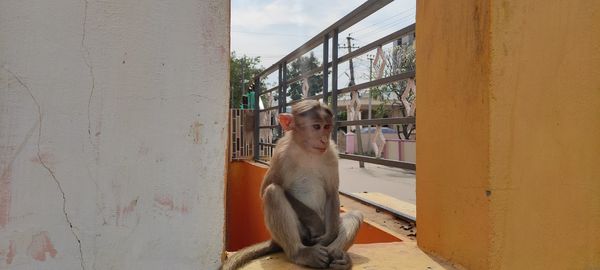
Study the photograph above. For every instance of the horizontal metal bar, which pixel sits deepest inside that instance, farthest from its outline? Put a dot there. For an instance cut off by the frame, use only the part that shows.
(307, 74)
(265, 127)
(380, 42)
(269, 90)
(379, 121)
(362, 50)
(381, 161)
(269, 109)
(342, 24)
(310, 97)
(262, 162)
(393, 78)
(394, 212)
(268, 144)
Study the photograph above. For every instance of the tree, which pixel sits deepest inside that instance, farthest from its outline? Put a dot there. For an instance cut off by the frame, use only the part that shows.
(399, 59)
(303, 65)
(249, 67)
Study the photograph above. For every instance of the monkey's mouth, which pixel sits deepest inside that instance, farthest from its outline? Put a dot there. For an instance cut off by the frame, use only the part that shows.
(322, 150)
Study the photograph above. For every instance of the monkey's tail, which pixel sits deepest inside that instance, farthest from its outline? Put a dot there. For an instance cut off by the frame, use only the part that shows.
(250, 253)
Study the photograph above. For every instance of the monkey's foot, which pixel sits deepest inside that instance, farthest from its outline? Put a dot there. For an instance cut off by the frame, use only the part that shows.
(314, 256)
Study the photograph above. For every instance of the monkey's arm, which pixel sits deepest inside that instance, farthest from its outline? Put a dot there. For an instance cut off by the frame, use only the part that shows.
(332, 219)
(271, 177)
(332, 204)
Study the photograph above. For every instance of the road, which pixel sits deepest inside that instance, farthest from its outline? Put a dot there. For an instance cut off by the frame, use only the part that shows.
(394, 182)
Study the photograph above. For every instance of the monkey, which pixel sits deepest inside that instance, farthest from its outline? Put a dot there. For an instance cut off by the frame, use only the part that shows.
(300, 196)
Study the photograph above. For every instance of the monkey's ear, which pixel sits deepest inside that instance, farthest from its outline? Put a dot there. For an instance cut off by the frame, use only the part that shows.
(286, 121)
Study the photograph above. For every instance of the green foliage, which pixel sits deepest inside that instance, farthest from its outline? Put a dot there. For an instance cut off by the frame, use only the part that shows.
(250, 67)
(302, 65)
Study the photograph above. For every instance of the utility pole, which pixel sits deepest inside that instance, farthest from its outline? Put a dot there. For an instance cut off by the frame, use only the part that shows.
(349, 38)
(351, 83)
(370, 57)
(242, 82)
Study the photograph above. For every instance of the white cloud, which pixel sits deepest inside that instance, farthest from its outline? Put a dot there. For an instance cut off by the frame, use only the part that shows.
(272, 29)
(298, 13)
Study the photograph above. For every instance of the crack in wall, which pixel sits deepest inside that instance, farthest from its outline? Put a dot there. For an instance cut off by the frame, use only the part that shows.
(43, 163)
(88, 62)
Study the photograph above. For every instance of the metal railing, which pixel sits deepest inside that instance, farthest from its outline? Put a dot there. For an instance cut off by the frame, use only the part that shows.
(323, 38)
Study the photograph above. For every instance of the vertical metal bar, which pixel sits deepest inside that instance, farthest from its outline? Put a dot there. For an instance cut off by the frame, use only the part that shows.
(334, 81)
(280, 96)
(257, 93)
(231, 134)
(284, 88)
(325, 68)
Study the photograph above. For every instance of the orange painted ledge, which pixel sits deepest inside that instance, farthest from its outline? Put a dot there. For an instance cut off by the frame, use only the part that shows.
(374, 248)
(244, 218)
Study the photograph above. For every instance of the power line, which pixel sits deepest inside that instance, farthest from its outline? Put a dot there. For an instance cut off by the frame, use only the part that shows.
(398, 19)
(392, 26)
(269, 34)
(392, 17)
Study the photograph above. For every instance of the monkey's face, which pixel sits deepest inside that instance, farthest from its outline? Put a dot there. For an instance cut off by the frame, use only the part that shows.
(313, 134)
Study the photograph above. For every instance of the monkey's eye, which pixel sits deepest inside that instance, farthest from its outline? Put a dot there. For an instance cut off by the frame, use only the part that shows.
(327, 126)
(316, 126)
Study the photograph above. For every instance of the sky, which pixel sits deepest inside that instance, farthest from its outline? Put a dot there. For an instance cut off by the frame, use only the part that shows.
(273, 28)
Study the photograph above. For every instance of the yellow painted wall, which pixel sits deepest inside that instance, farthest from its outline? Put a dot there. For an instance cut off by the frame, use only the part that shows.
(453, 136)
(514, 87)
(545, 134)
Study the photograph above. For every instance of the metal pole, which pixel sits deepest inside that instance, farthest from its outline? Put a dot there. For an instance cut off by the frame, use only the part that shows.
(279, 98)
(284, 88)
(256, 89)
(361, 164)
(334, 81)
(349, 38)
(243, 79)
(325, 68)
(370, 57)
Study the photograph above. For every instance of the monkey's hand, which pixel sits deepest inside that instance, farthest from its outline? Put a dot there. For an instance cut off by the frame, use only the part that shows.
(315, 256)
(339, 260)
(326, 238)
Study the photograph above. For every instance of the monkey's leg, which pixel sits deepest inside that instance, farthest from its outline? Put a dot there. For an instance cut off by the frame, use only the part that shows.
(284, 225)
(349, 225)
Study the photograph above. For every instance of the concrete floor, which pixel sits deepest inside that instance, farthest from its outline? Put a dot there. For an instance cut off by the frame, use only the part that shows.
(383, 256)
(394, 182)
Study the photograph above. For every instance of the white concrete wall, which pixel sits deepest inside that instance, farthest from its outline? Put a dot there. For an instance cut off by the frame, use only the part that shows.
(113, 128)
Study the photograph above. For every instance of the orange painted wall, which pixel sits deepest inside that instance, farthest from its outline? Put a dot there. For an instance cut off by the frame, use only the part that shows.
(509, 133)
(244, 218)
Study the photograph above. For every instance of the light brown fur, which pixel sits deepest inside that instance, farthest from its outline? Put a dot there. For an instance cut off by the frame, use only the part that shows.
(300, 195)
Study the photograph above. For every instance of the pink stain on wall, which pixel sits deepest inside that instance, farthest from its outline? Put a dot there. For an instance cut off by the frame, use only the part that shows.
(11, 252)
(122, 213)
(195, 132)
(5, 197)
(166, 202)
(40, 245)
(45, 158)
(128, 209)
(184, 209)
